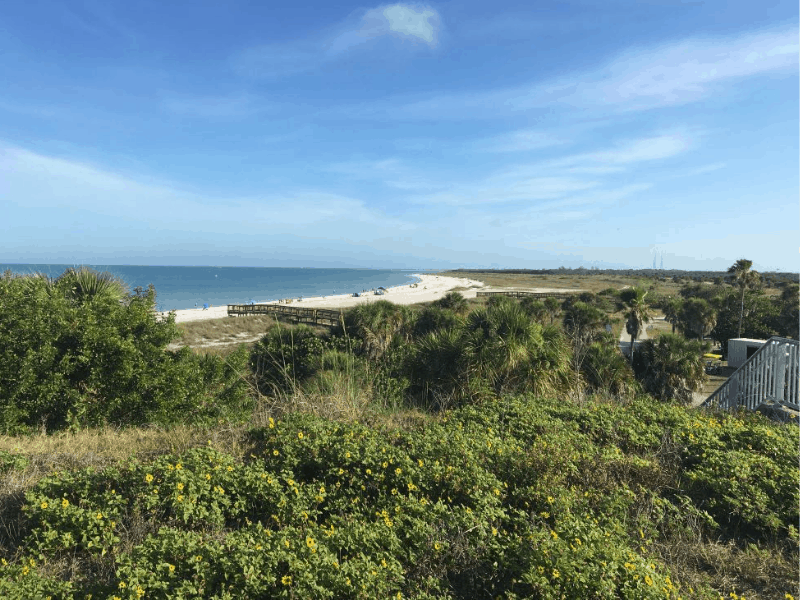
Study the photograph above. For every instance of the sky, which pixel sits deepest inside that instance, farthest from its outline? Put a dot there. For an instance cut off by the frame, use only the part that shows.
(530, 134)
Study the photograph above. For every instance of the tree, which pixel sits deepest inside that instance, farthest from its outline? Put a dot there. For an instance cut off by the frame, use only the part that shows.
(672, 307)
(638, 315)
(582, 323)
(698, 317)
(744, 277)
(671, 367)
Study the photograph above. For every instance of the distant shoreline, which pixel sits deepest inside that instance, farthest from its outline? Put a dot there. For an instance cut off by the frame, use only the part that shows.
(427, 289)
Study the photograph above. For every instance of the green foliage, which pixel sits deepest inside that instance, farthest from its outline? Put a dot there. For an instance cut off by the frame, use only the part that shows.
(434, 318)
(453, 301)
(285, 356)
(671, 367)
(73, 353)
(605, 369)
(521, 498)
(697, 317)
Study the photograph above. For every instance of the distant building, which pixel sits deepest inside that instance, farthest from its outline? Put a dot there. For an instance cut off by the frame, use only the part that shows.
(740, 349)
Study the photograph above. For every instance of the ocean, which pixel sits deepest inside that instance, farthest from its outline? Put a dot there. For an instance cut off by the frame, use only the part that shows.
(187, 287)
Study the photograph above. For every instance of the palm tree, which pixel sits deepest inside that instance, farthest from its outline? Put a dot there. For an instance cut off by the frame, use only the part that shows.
(673, 308)
(672, 367)
(637, 316)
(744, 277)
(700, 316)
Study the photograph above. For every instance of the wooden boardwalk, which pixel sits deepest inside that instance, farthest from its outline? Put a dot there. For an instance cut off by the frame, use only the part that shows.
(523, 294)
(316, 316)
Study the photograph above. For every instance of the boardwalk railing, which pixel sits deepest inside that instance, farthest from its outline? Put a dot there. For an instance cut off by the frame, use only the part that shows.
(521, 294)
(770, 375)
(317, 316)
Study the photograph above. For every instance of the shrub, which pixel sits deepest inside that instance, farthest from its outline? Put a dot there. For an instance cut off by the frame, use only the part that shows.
(79, 351)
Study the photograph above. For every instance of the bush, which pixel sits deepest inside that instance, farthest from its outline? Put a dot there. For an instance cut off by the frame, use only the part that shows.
(81, 351)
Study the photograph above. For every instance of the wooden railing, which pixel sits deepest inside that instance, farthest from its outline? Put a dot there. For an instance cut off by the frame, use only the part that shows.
(521, 294)
(770, 375)
(317, 316)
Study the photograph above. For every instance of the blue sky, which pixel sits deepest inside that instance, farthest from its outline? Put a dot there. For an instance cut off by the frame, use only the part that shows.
(529, 134)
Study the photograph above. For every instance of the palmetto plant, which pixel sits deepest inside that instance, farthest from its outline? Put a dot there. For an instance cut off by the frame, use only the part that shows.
(745, 278)
(83, 285)
(376, 325)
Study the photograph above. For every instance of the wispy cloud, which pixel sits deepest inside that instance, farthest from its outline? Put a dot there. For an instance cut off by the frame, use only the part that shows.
(638, 79)
(32, 181)
(417, 24)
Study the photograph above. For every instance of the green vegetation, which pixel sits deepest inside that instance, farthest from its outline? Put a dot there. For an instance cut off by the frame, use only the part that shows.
(81, 351)
(505, 449)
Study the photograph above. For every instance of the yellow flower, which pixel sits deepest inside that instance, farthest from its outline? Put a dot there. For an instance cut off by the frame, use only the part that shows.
(556, 574)
(180, 498)
(286, 543)
(271, 423)
(550, 499)
(286, 580)
(494, 531)
(139, 591)
(122, 585)
(98, 516)
(230, 468)
(275, 452)
(420, 462)
(369, 471)
(208, 476)
(44, 505)
(437, 546)
(64, 503)
(648, 580)
(347, 455)
(178, 467)
(179, 486)
(148, 478)
(310, 542)
(171, 568)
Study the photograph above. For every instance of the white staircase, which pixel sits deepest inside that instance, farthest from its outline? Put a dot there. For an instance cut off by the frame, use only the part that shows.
(769, 376)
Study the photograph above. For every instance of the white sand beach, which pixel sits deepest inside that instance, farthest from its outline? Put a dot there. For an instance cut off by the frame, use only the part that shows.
(427, 289)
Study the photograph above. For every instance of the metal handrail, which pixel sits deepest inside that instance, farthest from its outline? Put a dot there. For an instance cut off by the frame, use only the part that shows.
(770, 374)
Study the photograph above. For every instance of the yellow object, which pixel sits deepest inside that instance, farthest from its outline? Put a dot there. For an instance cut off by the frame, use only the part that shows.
(714, 356)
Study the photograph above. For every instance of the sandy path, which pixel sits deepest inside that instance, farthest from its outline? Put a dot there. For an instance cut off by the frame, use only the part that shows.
(428, 289)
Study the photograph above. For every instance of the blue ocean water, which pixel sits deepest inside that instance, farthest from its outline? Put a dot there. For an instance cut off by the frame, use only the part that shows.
(187, 287)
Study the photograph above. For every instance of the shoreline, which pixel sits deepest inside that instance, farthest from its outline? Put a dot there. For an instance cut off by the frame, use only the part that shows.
(427, 289)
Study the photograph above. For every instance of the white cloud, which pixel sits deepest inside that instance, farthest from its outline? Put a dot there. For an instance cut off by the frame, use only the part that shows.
(416, 23)
(421, 23)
